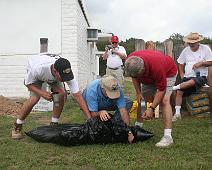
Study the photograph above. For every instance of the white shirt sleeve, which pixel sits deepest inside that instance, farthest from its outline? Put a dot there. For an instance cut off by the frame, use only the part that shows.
(181, 59)
(73, 85)
(208, 53)
(30, 77)
(122, 50)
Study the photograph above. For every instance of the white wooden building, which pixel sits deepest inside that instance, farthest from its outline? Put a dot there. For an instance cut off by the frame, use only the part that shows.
(24, 22)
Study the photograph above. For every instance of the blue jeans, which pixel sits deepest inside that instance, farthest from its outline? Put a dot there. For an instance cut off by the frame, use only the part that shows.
(199, 82)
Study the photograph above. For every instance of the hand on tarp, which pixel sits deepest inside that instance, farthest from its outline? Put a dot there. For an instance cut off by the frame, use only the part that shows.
(148, 114)
(104, 115)
(130, 137)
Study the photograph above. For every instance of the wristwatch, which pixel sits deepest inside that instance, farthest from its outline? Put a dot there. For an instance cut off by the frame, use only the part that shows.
(153, 109)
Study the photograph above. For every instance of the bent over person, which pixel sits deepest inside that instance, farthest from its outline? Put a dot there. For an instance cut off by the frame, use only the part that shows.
(54, 70)
(103, 95)
(157, 73)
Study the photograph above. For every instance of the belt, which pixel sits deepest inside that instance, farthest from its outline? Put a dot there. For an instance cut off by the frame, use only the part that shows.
(116, 68)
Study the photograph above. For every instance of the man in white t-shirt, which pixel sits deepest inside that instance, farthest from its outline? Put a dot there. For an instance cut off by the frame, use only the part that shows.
(196, 58)
(54, 70)
(114, 55)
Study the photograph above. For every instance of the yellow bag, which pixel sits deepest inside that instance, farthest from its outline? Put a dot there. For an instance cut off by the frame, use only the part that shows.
(133, 111)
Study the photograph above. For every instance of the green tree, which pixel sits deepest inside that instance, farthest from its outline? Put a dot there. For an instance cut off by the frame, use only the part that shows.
(208, 41)
(177, 38)
(129, 45)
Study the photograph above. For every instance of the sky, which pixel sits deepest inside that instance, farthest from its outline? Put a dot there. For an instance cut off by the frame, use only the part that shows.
(152, 20)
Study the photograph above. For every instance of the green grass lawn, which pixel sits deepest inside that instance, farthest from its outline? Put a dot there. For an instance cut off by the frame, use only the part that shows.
(192, 147)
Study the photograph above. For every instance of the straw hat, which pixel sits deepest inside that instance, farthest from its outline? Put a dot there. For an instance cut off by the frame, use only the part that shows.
(193, 37)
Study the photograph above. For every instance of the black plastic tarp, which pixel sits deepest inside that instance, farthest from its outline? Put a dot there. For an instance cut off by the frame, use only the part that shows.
(94, 131)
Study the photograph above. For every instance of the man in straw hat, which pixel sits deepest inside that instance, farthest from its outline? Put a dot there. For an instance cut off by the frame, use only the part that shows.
(157, 73)
(103, 95)
(196, 58)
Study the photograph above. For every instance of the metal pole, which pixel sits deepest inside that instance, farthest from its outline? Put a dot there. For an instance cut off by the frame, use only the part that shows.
(43, 45)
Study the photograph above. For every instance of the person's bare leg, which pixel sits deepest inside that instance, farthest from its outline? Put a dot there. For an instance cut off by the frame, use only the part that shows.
(185, 85)
(58, 109)
(167, 112)
(23, 113)
(178, 103)
(27, 107)
(166, 140)
(179, 98)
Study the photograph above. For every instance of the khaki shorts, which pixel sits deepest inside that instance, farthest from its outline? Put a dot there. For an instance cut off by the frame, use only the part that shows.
(150, 90)
(118, 74)
(41, 85)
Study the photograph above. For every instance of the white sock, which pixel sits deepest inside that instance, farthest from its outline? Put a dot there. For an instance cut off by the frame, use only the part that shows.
(55, 120)
(177, 110)
(19, 121)
(168, 132)
(177, 87)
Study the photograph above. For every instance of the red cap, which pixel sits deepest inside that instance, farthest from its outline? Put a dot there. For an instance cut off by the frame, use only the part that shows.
(114, 38)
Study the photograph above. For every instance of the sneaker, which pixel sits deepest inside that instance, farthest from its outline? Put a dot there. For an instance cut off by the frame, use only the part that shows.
(54, 123)
(165, 141)
(176, 117)
(140, 124)
(16, 132)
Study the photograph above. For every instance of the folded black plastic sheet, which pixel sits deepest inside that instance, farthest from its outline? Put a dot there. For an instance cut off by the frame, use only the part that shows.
(94, 131)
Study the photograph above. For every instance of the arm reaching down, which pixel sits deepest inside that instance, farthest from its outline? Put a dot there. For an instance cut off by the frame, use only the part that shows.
(80, 100)
(42, 93)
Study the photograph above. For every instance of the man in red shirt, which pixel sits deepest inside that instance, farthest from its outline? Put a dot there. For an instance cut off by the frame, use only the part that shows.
(157, 74)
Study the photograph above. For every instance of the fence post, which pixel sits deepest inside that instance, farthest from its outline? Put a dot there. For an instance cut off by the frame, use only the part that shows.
(139, 44)
(168, 47)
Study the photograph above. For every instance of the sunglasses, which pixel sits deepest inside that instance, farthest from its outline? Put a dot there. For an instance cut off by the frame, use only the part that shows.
(114, 43)
(192, 44)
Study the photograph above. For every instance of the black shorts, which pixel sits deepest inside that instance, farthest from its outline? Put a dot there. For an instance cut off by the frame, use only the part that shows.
(199, 82)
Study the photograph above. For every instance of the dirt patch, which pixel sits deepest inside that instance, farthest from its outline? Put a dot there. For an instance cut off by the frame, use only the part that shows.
(10, 106)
